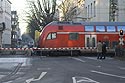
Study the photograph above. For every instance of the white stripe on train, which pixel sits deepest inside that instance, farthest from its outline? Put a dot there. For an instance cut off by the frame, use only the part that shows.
(89, 32)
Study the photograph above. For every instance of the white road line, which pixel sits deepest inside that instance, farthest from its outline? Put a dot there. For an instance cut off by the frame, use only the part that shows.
(122, 68)
(43, 68)
(108, 74)
(8, 82)
(78, 59)
(74, 80)
(93, 58)
(40, 77)
(83, 79)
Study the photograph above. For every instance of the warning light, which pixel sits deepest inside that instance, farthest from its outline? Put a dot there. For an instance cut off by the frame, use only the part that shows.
(121, 33)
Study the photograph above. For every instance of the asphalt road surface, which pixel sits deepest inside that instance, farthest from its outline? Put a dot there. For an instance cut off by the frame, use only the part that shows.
(37, 69)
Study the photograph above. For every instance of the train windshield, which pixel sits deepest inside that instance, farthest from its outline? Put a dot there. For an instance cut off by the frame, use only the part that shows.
(51, 35)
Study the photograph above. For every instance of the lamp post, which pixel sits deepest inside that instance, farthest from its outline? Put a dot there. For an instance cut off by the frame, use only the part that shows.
(2, 27)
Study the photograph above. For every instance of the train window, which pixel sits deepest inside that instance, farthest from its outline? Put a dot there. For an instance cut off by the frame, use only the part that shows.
(89, 28)
(93, 42)
(88, 42)
(121, 27)
(100, 28)
(73, 36)
(51, 36)
(111, 28)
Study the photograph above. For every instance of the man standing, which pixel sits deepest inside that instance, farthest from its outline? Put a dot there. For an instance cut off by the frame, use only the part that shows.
(103, 51)
(99, 50)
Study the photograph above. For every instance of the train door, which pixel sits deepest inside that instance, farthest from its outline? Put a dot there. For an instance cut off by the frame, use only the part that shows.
(90, 40)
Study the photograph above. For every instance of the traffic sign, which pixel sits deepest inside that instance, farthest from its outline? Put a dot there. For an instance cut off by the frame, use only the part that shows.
(121, 41)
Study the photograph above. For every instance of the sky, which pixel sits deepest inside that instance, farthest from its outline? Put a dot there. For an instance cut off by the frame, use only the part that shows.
(20, 6)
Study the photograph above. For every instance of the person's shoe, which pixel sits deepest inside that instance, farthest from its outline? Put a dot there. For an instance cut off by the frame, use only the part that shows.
(104, 58)
(100, 57)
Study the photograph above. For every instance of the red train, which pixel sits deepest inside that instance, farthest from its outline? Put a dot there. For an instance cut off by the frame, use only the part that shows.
(74, 37)
(81, 35)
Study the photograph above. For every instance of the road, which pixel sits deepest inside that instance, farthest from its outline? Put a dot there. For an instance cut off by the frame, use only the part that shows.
(63, 69)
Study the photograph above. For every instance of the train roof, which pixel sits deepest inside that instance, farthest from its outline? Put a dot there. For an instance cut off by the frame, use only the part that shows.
(86, 23)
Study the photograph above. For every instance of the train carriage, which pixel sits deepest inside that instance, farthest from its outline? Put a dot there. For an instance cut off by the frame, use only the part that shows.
(81, 35)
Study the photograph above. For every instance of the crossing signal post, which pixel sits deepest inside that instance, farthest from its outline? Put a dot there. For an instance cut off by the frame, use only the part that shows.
(121, 34)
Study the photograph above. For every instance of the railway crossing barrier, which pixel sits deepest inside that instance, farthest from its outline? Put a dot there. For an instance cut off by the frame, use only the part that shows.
(29, 51)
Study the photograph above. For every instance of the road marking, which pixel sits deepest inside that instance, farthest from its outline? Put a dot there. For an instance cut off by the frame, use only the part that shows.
(40, 77)
(93, 58)
(108, 74)
(8, 82)
(83, 79)
(99, 66)
(1, 76)
(74, 80)
(78, 59)
(123, 68)
(43, 68)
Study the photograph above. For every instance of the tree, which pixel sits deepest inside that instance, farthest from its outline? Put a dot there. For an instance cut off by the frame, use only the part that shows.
(39, 15)
(69, 10)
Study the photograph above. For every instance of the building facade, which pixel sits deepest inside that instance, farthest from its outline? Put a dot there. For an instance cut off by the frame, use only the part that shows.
(105, 10)
(97, 10)
(5, 16)
(121, 10)
(16, 33)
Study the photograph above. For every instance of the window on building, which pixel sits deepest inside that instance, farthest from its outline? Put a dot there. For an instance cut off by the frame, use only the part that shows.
(73, 36)
(89, 28)
(121, 28)
(91, 9)
(52, 35)
(94, 9)
(88, 11)
(111, 28)
(100, 28)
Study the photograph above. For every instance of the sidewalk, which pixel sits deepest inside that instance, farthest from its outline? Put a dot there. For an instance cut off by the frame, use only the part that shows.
(122, 58)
